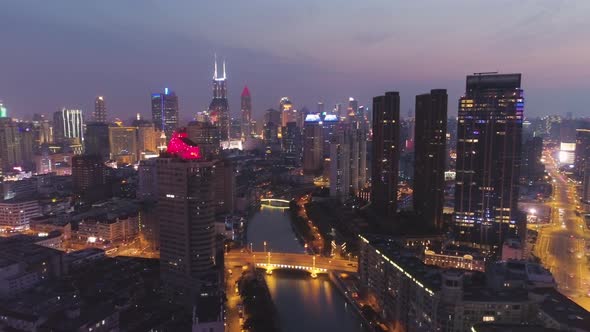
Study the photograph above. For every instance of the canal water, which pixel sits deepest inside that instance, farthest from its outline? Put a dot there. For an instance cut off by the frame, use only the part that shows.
(303, 303)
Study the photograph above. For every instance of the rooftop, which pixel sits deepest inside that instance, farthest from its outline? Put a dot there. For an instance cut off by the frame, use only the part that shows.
(563, 310)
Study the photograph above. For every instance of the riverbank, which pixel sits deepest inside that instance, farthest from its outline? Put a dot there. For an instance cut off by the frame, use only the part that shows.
(260, 313)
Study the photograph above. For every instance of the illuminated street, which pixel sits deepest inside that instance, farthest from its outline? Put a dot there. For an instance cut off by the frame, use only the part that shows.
(561, 244)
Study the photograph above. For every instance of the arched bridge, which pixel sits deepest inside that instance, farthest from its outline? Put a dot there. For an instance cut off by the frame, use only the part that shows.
(275, 202)
(275, 260)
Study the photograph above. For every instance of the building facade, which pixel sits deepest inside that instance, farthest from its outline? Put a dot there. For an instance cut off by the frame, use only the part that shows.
(100, 110)
(97, 140)
(165, 112)
(430, 155)
(246, 109)
(68, 126)
(488, 159)
(186, 210)
(312, 145)
(386, 152)
(206, 136)
(123, 144)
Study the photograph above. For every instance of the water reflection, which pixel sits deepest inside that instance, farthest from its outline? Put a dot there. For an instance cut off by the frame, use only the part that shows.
(304, 304)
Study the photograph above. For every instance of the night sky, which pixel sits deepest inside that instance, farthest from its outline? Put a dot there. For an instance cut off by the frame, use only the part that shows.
(64, 53)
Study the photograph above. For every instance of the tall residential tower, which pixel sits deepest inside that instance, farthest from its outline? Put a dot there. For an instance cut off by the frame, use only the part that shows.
(488, 159)
(386, 152)
(430, 156)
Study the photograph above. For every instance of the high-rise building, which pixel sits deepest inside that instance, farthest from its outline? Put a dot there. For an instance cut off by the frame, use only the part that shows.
(532, 168)
(340, 165)
(291, 142)
(286, 109)
(147, 138)
(582, 151)
(89, 177)
(353, 108)
(43, 130)
(586, 187)
(10, 152)
(329, 125)
(68, 126)
(272, 115)
(123, 144)
(488, 160)
(361, 138)
(385, 154)
(26, 142)
(97, 140)
(219, 107)
(321, 107)
(3, 110)
(206, 136)
(186, 210)
(100, 110)
(246, 103)
(430, 156)
(312, 145)
(165, 112)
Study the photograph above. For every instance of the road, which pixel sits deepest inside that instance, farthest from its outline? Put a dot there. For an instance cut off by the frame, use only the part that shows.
(561, 244)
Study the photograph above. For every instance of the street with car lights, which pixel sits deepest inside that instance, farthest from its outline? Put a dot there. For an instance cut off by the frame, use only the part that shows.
(561, 244)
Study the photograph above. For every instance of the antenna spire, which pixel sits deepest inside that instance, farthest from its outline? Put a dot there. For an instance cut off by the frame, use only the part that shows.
(215, 71)
(224, 77)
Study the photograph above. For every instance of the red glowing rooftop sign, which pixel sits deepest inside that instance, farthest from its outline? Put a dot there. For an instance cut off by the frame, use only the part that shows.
(181, 146)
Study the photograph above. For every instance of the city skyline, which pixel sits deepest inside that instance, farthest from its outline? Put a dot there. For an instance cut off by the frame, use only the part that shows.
(118, 61)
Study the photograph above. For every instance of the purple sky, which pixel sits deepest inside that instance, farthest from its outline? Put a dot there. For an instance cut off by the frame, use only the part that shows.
(64, 53)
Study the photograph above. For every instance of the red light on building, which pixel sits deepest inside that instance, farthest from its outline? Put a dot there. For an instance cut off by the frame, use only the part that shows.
(181, 146)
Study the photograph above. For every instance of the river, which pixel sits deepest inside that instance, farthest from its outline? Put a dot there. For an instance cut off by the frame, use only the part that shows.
(303, 303)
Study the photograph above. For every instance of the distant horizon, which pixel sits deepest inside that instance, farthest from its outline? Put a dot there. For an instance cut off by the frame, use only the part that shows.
(64, 54)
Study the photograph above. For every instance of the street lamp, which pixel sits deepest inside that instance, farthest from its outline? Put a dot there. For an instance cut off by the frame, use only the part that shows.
(265, 246)
(313, 272)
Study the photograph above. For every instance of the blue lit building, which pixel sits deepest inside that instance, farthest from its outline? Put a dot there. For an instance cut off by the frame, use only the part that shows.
(165, 112)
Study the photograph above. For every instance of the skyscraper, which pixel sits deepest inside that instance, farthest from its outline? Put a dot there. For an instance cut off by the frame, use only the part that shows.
(123, 144)
(291, 143)
(3, 111)
(272, 115)
(312, 145)
(340, 164)
(286, 109)
(246, 103)
(430, 156)
(582, 152)
(353, 108)
(206, 136)
(68, 126)
(219, 107)
(488, 159)
(165, 112)
(386, 152)
(329, 126)
(89, 177)
(147, 138)
(10, 152)
(100, 110)
(186, 210)
(97, 140)
(532, 169)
